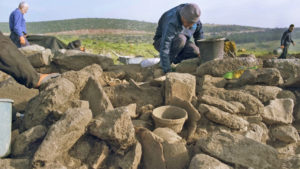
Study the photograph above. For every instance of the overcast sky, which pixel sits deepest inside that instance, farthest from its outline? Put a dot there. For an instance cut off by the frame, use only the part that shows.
(261, 13)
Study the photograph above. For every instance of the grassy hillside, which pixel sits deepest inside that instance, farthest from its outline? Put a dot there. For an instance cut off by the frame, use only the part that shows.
(102, 23)
(137, 37)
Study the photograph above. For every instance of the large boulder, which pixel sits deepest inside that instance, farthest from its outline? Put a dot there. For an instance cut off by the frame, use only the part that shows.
(130, 160)
(279, 111)
(15, 163)
(97, 98)
(180, 85)
(218, 116)
(203, 161)
(162, 149)
(207, 81)
(240, 150)
(258, 132)
(252, 104)
(264, 93)
(38, 56)
(123, 95)
(18, 93)
(230, 107)
(114, 127)
(188, 66)
(81, 60)
(289, 68)
(90, 151)
(80, 78)
(218, 68)
(174, 148)
(63, 135)
(265, 76)
(54, 100)
(153, 154)
(23, 142)
(285, 133)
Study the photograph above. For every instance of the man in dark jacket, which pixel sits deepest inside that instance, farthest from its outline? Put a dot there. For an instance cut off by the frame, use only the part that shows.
(14, 63)
(286, 40)
(17, 25)
(173, 34)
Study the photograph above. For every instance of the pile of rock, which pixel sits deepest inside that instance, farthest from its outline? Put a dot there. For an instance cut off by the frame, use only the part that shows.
(99, 116)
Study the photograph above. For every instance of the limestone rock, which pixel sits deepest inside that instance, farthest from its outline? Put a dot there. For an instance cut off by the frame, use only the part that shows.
(115, 127)
(15, 163)
(218, 116)
(188, 66)
(131, 159)
(174, 149)
(285, 133)
(81, 60)
(153, 154)
(238, 149)
(207, 81)
(23, 141)
(266, 76)
(279, 111)
(63, 135)
(123, 95)
(252, 104)
(218, 68)
(264, 93)
(258, 132)
(180, 85)
(203, 161)
(289, 68)
(97, 98)
(221, 104)
(18, 93)
(53, 99)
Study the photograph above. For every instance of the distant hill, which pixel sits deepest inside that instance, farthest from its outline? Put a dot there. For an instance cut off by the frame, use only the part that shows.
(241, 34)
(101, 23)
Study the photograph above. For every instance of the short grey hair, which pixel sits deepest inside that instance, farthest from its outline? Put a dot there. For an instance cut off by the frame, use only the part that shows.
(23, 4)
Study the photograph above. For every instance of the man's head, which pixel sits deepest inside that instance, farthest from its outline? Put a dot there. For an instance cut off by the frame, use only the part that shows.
(190, 14)
(291, 27)
(23, 6)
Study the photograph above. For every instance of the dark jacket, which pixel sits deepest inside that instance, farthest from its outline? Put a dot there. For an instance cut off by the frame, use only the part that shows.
(169, 26)
(286, 38)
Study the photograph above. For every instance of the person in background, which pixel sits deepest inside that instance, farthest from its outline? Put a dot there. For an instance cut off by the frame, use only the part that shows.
(175, 29)
(17, 25)
(285, 42)
(14, 63)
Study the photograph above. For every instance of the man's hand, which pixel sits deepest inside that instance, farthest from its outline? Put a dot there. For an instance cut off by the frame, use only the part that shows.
(294, 43)
(281, 46)
(22, 40)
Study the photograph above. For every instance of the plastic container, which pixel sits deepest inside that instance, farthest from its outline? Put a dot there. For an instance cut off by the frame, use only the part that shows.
(150, 62)
(5, 126)
(211, 49)
(169, 116)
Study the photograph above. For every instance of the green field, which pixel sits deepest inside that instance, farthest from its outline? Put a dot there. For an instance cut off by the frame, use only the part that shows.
(138, 42)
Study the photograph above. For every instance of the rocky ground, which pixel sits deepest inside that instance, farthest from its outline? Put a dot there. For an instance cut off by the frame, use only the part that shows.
(99, 115)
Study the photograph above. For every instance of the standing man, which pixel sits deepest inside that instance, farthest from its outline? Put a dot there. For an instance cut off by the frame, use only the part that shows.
(286, 40)
(17, 25)
(173, 34)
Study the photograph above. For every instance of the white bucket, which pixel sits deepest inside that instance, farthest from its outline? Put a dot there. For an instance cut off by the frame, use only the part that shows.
(5, 126)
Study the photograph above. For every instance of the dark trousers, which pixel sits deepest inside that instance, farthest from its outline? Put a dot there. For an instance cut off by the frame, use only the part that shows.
(284, 53)
(181, 49)
(14, 63)
(16, 40)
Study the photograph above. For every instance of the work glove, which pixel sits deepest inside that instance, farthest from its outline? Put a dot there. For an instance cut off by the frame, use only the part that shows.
(22, 40)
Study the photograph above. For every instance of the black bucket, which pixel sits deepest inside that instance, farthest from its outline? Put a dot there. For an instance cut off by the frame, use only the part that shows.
(211, 49)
